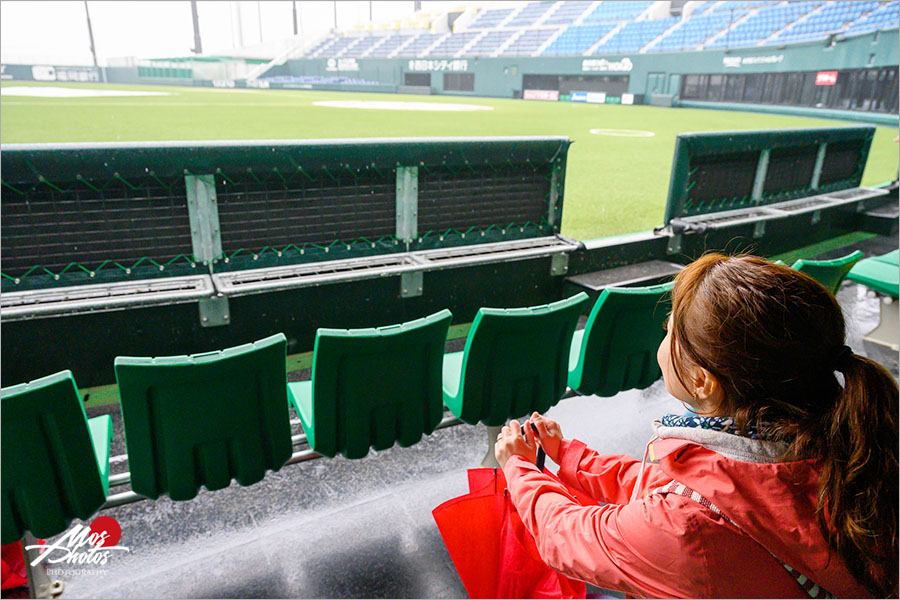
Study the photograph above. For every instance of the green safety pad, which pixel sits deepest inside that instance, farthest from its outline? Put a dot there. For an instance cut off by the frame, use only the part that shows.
(616, 351)
(373, 387)
(49, 463)
(880, 273)
(829, 273)
(205, 419)
(515, 362)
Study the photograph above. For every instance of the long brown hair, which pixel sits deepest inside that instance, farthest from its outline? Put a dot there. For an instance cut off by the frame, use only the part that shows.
(774, 337)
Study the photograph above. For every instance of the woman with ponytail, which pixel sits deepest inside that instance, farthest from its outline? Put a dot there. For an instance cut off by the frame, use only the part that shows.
(782, 484)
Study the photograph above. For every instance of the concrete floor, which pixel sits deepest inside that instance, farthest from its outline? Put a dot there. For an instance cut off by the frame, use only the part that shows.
(335, 528)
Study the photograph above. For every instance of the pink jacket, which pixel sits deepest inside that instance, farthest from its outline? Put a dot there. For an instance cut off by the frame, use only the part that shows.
(662, 545)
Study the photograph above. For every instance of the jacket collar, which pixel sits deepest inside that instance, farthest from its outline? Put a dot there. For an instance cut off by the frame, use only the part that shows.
(671, 439)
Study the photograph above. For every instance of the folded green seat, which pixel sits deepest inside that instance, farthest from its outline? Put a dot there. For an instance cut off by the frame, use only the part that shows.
(55, 462)
(515, 362)
(616, 350)
(880, 273)
(829, 273)
(374, 387)
(205, 419)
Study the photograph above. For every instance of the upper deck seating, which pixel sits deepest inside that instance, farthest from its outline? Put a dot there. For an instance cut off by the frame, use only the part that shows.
(635, 35)
(530, 14)
(490, 18)
(373, 387)
(55, 460)
(763, 24)
(695, 30)
(389, 45)
(336, 48)
(490, 43)
(515, 362)
(528, 42)
(364, 45)
(205, 419)
(576, 39)
(829, 273)
(567, 12)
(453, 44)
(616, 350)
(419, 45)
(609, 10)
(833, 17)
(885, 17)
(321, 45)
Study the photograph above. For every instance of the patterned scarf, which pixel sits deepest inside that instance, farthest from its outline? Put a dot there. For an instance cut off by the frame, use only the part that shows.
(723, 424)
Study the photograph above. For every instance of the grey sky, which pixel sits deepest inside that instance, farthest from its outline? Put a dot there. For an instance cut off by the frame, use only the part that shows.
(56, 32)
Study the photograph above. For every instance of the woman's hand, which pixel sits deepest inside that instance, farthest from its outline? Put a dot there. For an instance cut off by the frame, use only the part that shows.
(549, 435)
(511, 443)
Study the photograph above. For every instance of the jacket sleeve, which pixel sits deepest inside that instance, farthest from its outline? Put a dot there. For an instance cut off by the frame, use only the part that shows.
(604, 477)
(649, 547)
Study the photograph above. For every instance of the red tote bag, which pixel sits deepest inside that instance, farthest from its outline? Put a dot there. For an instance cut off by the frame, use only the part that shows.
(492, 551)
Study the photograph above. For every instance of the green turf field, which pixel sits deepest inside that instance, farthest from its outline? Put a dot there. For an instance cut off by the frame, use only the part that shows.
(614, 185)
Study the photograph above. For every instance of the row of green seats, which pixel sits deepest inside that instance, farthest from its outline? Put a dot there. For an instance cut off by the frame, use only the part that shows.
(206, 419)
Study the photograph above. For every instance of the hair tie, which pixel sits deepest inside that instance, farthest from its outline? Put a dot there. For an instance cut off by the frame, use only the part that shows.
(840, 356)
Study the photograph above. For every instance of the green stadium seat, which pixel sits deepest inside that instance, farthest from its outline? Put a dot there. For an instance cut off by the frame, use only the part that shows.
(373, 387)
(880, 273)
(829, 273)
(55, 461)
(205, 419)
(514, 362)
(616, 350)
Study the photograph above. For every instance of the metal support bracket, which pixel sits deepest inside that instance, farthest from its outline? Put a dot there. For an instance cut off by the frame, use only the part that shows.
(553, 207)
(408, 224)
(816, 217)
(674, 245)
(759, 229)
(559, 264)
(761, 167)
(411, 284)
(39, 583)
(204, 214)
(817, 170)
(407, 204)
(214, 312)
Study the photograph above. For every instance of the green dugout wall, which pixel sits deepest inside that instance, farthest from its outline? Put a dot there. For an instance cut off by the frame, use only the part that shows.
(656, 72)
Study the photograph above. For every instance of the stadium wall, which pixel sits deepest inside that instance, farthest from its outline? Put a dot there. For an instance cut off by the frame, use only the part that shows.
(657, 72)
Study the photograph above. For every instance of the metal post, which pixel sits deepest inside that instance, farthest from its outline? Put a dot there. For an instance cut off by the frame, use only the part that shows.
(90, 32)
(198, 47)
(259, 19)
(335, 14)
(489, 459)
(39, 584)
(294, 6)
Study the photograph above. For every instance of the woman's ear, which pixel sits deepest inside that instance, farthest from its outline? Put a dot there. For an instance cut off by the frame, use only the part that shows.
(707, 391)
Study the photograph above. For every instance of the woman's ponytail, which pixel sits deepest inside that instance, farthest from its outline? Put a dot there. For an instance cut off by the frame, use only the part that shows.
(859, 494)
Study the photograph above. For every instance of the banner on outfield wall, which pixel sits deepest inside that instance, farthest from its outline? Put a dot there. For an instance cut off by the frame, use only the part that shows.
(826, 77)
(589, 97)
(48, 73)
(552, 95)
(627, 98)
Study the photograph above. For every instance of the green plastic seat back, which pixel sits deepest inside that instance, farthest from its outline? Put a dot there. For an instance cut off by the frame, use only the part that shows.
(829, 273)
(205, 419)
(516, 360)
(377, 386)
(880, 273)
(621, 336)
(50, 473)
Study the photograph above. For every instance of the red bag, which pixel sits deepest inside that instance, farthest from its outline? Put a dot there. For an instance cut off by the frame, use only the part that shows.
(12, 560)
(494, 554)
